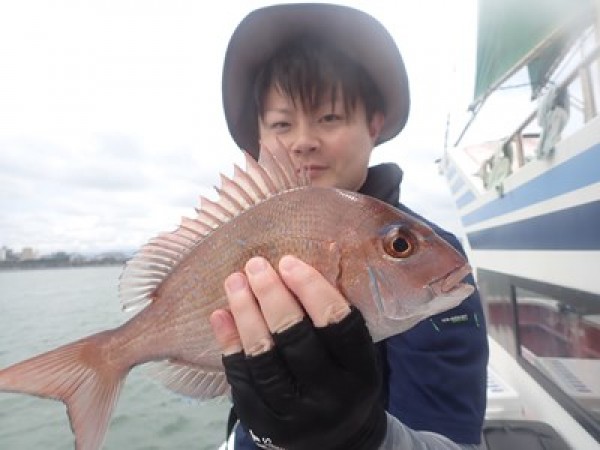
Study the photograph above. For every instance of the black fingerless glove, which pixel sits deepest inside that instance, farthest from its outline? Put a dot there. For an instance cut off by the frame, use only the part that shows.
(317, 389)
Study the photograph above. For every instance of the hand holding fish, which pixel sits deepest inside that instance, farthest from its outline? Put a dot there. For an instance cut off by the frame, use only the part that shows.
(323, 303)
(299, 383)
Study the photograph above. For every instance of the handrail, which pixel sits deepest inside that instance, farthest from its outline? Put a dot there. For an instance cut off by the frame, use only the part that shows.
(516, 137)
(477, 104)
(583, 65)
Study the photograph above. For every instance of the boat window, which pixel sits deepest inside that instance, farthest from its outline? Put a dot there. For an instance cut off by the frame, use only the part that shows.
(561, 339)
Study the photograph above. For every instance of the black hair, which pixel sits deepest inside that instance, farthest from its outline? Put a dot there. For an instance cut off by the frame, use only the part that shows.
(307, 69)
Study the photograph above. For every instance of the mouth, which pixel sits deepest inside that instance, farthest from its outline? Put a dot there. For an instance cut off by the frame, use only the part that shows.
(451, 282)
(312, 170)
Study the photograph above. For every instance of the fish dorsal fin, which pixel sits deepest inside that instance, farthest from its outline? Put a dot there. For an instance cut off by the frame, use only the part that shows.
(261, 180)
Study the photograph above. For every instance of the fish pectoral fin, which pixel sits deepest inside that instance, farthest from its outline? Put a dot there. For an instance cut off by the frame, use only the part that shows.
(200, 380)
(74, 375)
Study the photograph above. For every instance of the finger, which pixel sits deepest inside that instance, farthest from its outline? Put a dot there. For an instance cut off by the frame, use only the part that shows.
(304, 355)
(225, 332)
(243, 392)
(322, 302)
(280, 308)
(251, 326)
(272, 379)
(350, 343)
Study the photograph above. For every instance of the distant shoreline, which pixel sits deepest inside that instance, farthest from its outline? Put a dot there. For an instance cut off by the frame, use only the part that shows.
(46, 264)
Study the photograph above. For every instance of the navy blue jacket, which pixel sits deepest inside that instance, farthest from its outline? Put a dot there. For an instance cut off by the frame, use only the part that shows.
(435, 373)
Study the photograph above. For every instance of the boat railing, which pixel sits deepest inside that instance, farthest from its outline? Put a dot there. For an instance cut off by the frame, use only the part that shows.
(581, 72)
(496, 160)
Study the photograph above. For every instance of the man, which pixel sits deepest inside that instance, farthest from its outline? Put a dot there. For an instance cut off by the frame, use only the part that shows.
(327, 84)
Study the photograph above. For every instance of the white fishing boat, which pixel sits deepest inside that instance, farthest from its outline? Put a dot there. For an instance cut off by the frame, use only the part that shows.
(528, 196)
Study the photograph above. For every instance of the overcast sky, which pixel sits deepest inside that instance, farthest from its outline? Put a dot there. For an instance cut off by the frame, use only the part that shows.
(111, 122)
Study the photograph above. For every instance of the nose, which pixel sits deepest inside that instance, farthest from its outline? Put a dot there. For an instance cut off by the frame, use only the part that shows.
(305, 141)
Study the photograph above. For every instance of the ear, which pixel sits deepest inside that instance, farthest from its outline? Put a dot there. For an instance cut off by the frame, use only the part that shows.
(375, 126)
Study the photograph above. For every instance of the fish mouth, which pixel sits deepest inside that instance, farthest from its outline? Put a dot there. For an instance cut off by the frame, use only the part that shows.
(451, 282)
(443, 293)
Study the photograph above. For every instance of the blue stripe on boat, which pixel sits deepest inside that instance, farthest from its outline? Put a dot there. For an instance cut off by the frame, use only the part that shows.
(465, 199)
(457, 185)
(577, 172)
(575, 228)
(450, 172)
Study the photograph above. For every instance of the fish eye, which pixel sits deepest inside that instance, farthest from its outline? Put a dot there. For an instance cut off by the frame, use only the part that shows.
(398, 244)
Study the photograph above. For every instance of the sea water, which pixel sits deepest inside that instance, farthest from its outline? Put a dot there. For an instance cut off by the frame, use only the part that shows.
(42, 309)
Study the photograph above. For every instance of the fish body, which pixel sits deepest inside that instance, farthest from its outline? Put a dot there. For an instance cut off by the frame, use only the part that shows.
(389, 265)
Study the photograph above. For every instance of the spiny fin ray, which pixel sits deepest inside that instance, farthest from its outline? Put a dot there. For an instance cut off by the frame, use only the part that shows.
(261, 180)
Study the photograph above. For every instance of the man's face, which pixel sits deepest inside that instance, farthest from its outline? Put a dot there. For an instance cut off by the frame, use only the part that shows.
(332, 147)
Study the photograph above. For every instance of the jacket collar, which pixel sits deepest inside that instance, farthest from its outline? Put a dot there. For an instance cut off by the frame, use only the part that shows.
(383, 182)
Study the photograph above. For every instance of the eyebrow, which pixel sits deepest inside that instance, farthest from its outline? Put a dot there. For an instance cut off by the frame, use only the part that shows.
(279, 110)
(326, 102)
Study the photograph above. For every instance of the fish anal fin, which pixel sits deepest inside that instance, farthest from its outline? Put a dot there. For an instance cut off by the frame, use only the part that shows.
(75, 375)
(200, 381)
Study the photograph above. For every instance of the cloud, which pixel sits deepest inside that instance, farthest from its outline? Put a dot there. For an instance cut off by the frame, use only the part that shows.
(99, 193)
(111, 122)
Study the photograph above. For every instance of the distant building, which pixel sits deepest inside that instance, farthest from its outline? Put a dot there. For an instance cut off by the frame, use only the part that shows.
(76, 258)
(3, 253)
(27, 254)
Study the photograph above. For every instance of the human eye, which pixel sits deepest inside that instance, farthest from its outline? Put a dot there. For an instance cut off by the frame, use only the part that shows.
(331, 117)
(277, 122)
(279, 126)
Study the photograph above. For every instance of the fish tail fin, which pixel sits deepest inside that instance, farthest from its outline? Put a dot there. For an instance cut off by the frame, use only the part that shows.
(79, 376)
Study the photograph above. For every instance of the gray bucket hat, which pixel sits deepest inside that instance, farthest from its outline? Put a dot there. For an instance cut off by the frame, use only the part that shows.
(360, 36)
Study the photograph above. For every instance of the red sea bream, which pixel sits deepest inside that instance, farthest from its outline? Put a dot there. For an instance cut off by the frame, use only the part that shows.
(392, 267)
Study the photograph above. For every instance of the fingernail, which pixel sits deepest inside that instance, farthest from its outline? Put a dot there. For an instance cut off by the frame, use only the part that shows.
(216, 320)
(289, 264)
(235, 283)
(256, 265)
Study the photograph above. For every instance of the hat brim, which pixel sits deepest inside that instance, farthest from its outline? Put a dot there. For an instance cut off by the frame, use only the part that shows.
(355, 33)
